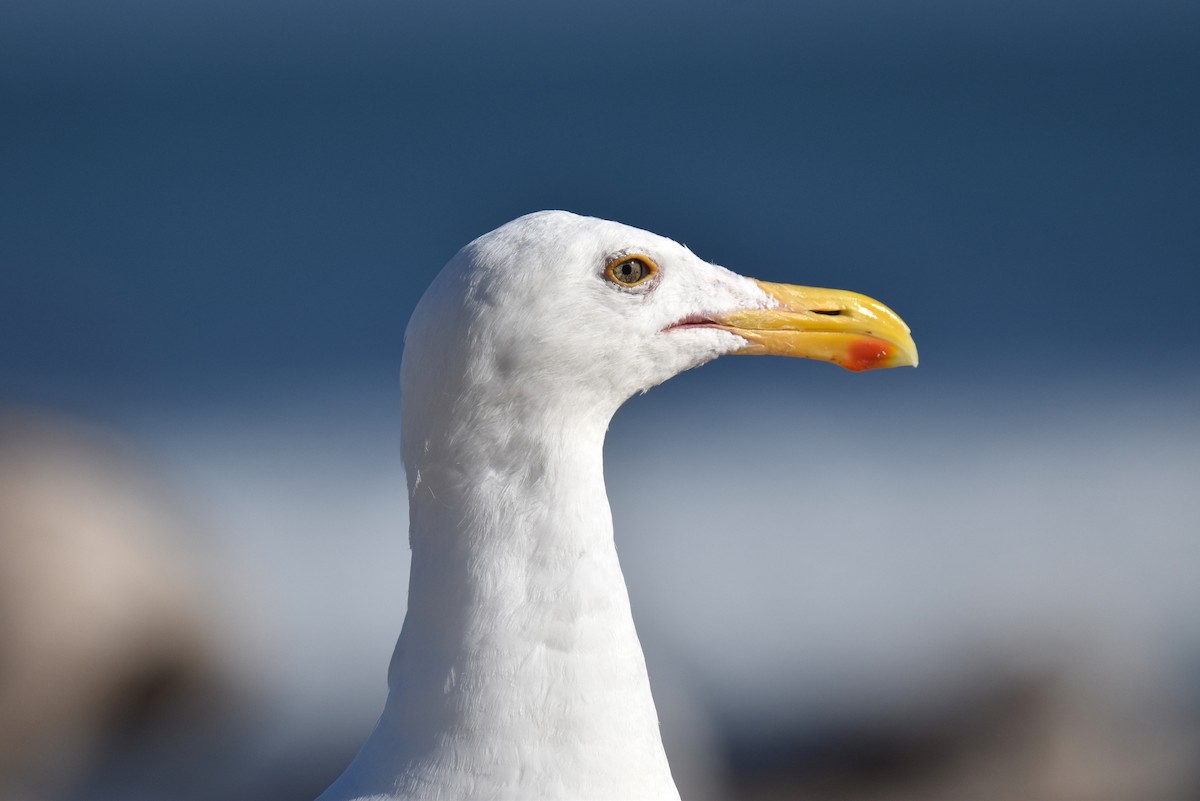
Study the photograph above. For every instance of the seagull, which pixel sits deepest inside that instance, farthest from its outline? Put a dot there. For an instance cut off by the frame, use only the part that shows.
(518, 673)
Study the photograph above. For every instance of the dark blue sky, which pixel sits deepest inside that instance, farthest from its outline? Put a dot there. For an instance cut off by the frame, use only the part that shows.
(208, 192)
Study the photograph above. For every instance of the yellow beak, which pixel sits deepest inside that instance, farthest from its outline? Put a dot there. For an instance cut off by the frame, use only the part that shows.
(845, 328)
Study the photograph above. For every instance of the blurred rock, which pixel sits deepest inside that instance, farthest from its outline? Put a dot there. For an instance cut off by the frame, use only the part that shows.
(992, 737)
(102, 630)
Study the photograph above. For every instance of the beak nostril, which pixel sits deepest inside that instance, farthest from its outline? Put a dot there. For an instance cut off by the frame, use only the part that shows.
(828, 312)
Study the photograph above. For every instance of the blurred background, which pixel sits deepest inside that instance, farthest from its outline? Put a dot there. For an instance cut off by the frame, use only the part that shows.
(977, 579)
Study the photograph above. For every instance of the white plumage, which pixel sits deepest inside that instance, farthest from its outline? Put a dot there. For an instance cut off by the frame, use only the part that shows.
(518, 673)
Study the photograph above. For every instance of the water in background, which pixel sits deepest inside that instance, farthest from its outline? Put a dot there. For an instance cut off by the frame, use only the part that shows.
(216, 218)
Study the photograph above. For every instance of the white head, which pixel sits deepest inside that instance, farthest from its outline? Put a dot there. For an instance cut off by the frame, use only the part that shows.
(557, 314)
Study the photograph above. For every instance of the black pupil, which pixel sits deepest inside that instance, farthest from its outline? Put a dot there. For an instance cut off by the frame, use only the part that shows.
(629, 270)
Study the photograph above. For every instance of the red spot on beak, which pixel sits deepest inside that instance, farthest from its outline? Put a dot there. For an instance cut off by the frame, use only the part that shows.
(866, 353)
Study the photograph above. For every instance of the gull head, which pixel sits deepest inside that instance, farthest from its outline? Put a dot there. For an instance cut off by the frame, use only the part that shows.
(554, 313)
(518, 673)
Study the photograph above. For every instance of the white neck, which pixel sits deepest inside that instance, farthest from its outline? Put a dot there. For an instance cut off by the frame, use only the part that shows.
(518, 673)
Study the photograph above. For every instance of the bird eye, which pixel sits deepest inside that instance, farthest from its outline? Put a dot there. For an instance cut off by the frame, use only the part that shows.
(630, 271)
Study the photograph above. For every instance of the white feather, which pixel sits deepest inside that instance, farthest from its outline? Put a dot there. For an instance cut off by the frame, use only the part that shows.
(518, 673)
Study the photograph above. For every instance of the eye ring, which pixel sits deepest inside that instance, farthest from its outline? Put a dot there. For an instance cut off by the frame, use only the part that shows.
(630, 270)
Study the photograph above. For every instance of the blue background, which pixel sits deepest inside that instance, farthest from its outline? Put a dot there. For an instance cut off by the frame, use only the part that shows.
(199, 192)
(216, 218)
